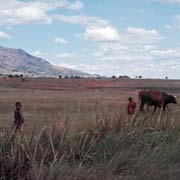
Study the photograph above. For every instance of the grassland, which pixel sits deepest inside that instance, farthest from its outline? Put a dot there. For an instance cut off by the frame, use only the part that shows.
(78, 129)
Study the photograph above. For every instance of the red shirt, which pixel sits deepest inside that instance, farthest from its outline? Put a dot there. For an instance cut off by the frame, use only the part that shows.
(131, 108)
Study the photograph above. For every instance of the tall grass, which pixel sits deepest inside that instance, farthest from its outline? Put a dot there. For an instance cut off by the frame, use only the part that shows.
(145, 147)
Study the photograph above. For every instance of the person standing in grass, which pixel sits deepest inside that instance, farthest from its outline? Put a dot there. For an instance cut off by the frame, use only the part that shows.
(131, 108)
(18, 117)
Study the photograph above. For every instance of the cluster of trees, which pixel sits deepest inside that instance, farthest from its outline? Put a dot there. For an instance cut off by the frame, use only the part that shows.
(15, 76)
(71, 77)
(98, 77)
(78, 77)
(121, 77)
(138, 77)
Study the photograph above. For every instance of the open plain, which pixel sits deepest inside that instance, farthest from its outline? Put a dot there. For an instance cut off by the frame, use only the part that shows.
(78, 129)
(48, 100)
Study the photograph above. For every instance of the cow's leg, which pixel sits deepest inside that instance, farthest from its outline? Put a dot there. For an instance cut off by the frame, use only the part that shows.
(164, 107)
(155, 107)
(142, 106)
(148, 107)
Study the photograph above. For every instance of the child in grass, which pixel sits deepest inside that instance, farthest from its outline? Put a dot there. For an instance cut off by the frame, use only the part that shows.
(18, 118)
(131, 108)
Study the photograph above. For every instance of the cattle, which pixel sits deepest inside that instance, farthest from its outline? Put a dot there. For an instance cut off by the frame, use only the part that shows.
(156, 99)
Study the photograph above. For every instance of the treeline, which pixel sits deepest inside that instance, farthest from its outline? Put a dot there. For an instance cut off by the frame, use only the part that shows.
(98, 77)
(15, 75)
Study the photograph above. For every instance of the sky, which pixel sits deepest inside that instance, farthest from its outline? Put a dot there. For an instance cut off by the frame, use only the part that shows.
(106, 37)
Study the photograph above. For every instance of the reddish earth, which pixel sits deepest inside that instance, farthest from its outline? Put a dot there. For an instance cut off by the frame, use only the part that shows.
(88, 84)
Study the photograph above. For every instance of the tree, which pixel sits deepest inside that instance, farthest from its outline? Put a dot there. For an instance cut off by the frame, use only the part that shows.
(77, 77)
(10, 76)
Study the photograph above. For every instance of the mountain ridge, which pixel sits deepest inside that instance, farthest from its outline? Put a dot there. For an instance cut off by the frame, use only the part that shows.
(19, 61)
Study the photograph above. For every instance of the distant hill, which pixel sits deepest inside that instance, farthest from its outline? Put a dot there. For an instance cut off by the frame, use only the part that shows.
(17, 61)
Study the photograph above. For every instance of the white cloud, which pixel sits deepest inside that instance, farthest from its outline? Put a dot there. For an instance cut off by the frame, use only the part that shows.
(113, 58)
(4, 35)
(115, 52)
(78, 5)
(132, 53)
(66, 65)
(135, 45)
(170, 54)
(60, 59)
(60, 40)
(55, 58)
(19, 12)
(101, 34)
(142, 32)
(150, 69)
(110, 50)
(96, 28)
(83, 20)
(125, 57)
(141, 35)
(40, 54)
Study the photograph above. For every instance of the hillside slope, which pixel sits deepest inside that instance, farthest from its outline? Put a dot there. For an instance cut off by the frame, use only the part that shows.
(18, 61)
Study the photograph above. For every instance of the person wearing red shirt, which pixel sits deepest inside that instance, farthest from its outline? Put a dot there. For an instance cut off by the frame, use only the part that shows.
(131, 108)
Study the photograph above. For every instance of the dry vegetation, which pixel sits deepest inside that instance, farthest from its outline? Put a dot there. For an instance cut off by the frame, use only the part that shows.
(78, 129)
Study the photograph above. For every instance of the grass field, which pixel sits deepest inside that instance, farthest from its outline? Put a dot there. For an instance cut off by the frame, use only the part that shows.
(78, 129)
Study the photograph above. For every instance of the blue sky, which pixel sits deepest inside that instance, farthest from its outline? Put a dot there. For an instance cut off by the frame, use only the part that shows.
(107, 37)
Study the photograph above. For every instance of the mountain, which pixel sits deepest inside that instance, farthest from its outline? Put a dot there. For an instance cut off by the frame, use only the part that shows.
(17, 61)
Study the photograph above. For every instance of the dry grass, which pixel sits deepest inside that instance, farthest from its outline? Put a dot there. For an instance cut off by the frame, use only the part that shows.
(45, 107)
(145, 148)
(86, 135)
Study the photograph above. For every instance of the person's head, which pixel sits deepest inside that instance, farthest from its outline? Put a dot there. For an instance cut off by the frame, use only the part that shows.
(18, 105)
(130, 99)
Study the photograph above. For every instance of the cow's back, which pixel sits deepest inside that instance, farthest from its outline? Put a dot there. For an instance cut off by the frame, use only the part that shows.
(153, 96)
(157, 96)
